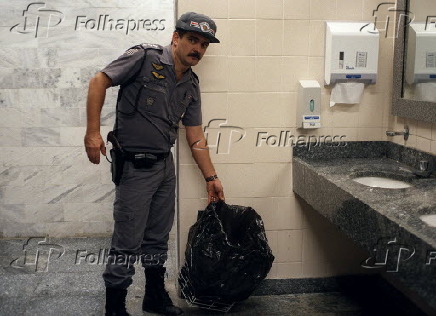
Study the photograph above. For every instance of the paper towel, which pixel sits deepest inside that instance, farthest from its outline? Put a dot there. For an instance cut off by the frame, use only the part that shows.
(426, 91)
(347, 92)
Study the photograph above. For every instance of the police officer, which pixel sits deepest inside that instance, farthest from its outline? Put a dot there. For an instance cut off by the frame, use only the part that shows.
(157, 90)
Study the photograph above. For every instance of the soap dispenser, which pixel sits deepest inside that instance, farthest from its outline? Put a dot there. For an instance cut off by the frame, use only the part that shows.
(309, 104)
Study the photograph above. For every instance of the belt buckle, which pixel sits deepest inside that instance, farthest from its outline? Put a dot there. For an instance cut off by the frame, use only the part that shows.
(139, 156)
(144, 160)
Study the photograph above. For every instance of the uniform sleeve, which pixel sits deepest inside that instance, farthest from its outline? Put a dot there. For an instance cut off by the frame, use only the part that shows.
(125, 67)
(192, 116)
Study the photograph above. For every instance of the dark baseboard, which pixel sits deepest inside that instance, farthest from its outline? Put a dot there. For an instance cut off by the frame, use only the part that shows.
(367, 290)
(309, 285)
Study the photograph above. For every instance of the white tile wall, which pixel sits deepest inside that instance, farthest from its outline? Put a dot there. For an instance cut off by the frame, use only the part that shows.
(271, 45)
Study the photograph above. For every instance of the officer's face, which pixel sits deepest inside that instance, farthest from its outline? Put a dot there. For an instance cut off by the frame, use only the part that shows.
(190, 48)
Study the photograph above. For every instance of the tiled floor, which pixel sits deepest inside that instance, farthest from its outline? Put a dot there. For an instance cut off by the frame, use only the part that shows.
(71, 284)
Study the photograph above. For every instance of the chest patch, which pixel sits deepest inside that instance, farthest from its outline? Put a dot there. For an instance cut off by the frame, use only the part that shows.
(149, 101)
(157, 66)
(157, 75)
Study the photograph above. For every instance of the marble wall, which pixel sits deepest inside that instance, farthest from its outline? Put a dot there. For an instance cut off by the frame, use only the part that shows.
(48, 52)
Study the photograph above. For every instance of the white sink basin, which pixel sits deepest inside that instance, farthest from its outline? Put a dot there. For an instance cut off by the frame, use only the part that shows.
(381, 182)
(430, 220)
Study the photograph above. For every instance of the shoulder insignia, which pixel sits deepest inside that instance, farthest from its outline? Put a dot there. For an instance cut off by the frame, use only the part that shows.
(151, 46)
(157, 75)
(131, 51)
(157, 67)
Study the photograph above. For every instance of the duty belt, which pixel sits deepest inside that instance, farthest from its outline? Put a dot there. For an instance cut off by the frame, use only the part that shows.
(132, 156)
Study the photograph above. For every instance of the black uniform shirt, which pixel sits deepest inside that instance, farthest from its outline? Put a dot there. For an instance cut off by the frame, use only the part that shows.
(152, 102)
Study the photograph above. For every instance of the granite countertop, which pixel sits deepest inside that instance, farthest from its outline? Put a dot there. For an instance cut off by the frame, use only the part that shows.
(378, 219)
(401, 206)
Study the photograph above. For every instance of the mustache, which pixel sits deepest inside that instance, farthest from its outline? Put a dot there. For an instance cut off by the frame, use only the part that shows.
(195, 55)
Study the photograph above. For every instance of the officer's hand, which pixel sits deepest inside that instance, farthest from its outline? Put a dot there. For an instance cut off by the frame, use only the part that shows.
(215, 191)
(94, 144)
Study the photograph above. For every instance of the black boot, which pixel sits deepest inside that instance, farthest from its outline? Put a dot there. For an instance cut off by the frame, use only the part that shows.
(116, 302)
(156, 299)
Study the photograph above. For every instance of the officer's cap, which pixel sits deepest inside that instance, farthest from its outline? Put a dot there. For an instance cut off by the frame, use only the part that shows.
(199, 23)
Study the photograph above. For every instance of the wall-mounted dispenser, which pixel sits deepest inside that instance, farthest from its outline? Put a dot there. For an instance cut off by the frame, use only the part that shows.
(309, 104)
(351, 52)
(421, 53)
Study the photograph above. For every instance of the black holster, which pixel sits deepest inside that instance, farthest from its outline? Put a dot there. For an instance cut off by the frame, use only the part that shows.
(117, 165)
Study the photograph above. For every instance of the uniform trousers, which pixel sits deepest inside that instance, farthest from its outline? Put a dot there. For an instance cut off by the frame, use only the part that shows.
(144, 210)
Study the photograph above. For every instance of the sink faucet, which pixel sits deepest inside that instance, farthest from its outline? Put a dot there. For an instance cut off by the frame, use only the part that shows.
(426, 168)
(405, 133)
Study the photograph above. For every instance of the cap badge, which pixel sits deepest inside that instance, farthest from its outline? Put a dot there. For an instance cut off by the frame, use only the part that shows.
(203, 26)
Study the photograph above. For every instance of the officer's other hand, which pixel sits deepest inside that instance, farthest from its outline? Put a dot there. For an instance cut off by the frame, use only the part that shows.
(215, 191)
(94, 144)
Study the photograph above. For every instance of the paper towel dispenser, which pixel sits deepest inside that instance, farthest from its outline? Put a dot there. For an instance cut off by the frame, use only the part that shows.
(351, 52)
(421, 53)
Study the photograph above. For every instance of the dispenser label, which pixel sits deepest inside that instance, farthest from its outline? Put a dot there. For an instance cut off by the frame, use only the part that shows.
(353, 76)
(430, 60)
(361, 59)
(311, 117)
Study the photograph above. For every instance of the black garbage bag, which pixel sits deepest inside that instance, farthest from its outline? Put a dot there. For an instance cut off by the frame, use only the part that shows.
(227, 256)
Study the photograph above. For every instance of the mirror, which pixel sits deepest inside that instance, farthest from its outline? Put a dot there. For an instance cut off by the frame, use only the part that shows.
(419, 82)
(414, 90)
